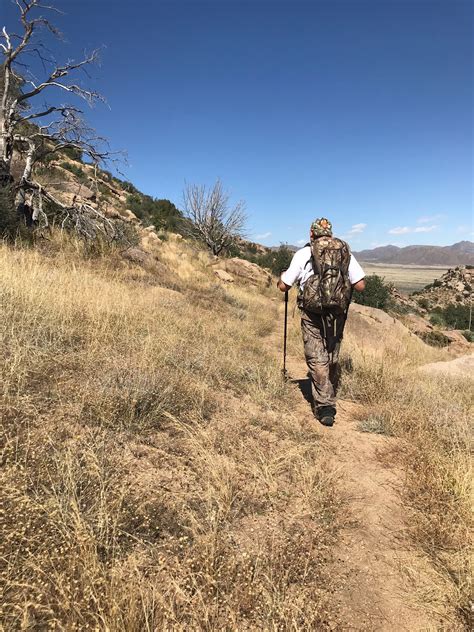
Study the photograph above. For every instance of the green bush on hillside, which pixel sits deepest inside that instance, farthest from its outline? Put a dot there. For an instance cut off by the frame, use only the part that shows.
(77, 171)
(376, 293)
(276, 260)
(437, 319)
(163, 214)
(435, 338)
(453, 316)
(73, 153)
(457, 316)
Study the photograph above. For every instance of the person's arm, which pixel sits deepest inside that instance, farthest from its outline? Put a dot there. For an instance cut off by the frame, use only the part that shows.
(356, 275)
(288, 277)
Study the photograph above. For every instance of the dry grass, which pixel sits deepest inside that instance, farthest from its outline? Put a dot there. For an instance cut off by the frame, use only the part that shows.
(154, 476)
(433, 417)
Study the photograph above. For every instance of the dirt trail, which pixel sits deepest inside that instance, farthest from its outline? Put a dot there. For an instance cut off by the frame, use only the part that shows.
(373, 556)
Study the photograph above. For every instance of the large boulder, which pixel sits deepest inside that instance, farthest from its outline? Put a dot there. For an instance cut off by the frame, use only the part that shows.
(377, 332)
(246, 271)
(462, 367)
(149, 240)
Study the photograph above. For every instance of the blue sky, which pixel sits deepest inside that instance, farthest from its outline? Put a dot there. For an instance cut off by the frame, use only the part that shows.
(358, 110)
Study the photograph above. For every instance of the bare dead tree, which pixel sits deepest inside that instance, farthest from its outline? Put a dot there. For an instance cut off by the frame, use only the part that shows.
(32, 126)
(212, 219)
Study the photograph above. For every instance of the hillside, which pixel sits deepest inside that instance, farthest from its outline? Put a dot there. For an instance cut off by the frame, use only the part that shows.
(162, 475)
(461, 253)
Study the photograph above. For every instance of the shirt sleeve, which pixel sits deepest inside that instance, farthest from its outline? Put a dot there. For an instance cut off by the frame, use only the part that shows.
(355, 271)
(294, 271)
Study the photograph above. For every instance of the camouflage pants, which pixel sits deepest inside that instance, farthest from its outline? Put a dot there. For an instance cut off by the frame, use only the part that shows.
(322, 341)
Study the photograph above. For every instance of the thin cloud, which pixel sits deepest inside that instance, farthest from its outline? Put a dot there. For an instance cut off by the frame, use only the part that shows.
(404, 230)
(426, 219)
(300, 242)
(400, 230)
(356, 229)
(264, 236)
(425, 229)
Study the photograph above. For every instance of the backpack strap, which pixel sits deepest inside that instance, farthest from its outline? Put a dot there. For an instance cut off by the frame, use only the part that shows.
(315, 260)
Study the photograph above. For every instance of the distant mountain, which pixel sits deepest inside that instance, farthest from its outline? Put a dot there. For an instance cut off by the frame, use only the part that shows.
(461, 253)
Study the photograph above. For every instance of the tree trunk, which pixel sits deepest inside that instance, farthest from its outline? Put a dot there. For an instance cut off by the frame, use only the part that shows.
(5, 154)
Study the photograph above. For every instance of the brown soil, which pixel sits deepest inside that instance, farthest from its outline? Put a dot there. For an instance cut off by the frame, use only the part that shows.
(375, 567)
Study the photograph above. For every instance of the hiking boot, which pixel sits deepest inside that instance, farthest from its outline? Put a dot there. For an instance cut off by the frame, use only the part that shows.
(327, 420)
(326, 415)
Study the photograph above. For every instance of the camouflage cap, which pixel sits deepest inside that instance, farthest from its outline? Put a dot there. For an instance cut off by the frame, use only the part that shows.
(321, 226)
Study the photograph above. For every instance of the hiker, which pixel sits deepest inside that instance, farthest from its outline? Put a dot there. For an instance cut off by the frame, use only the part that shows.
(327, 273)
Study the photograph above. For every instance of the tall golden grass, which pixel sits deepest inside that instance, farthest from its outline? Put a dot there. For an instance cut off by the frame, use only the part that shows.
(154, 476)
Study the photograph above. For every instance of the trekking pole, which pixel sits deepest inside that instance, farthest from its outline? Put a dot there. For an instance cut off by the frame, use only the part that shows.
(284, 335)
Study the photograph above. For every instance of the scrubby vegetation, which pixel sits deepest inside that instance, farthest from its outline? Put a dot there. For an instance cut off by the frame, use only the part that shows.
(452, 316)
(435, 338)
(376, 293)
(162, 214)
(154, 476)
(275, 260)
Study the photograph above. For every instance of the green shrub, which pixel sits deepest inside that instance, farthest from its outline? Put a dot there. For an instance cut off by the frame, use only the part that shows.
(457, 316)
(376, 293)
(435, 338)
(73, 153)
(163, 214)
(469, 335)
(77, 171)
(437, 319)
(423, 303)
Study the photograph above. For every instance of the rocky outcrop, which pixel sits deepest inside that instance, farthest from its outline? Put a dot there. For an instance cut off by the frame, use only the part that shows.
(460, 368)
(246, 271)
(224, 276)
(454, 287)
(406, 302)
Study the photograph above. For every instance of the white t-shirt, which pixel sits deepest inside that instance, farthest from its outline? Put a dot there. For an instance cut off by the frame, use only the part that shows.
(301, 268)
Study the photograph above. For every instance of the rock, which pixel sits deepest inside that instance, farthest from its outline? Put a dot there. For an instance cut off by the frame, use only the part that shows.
(129, 216)
(453, 286)
(246, 270)
(149, 241)
(74, 188)
(462, 367)
(224, 276)
(136, 255)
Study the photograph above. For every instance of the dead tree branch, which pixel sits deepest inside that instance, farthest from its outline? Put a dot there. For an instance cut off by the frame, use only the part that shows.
(38, 130)
(213, 220)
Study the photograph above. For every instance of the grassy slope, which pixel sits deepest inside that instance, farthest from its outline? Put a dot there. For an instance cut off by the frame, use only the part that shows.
(154, 474)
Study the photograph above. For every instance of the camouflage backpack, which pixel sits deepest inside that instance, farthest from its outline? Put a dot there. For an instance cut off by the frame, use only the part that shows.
(329, 289)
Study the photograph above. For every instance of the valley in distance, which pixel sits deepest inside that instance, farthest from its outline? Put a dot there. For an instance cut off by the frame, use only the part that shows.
(412, 268)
